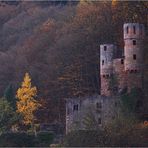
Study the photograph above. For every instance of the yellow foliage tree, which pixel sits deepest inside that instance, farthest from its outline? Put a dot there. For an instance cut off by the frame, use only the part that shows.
(26, 104)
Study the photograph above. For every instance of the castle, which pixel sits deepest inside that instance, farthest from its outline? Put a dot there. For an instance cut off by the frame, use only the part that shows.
(117, 74)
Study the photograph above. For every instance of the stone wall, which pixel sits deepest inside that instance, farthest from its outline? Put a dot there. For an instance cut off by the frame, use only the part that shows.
(104, 110)
(105, 85)
(119, 74)
(134, 79)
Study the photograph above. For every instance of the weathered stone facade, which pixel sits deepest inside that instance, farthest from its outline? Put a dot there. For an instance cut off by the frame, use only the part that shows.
(117, 76)
(103, 109)
(127, 69)
(106, 67)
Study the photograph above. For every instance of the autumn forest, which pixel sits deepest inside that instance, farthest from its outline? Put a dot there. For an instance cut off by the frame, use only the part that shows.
(56, 44)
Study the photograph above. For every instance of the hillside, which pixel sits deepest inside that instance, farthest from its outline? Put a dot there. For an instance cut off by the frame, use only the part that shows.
(58, 44)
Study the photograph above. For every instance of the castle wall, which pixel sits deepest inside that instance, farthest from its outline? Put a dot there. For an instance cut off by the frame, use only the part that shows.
(119, 73)
(134, 80)
(104, 109)
(105, 85)
(127, 72)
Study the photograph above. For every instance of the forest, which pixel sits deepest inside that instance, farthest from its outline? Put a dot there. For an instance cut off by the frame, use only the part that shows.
(57, 43)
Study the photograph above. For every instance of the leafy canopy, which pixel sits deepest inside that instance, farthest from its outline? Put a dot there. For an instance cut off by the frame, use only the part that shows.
(8, 117)
(26, 104)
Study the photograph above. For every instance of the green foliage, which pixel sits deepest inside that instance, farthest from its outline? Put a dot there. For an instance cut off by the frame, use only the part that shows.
(8, 117)
(10, 96)
(64, 42)
(130, 101)
(90, 122)
(44, 138)
(123, 132)
(26, 140)
(113, 84)
(16, 140)
(84, 138)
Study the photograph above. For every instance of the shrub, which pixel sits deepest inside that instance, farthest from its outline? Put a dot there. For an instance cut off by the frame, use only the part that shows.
(44, 138)
(16, 140)
(85, 138)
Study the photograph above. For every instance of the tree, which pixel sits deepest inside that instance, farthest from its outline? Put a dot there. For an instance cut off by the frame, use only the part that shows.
(8, 117)
(89, 120)
(9, 95)
(132, 102)
(26, 104)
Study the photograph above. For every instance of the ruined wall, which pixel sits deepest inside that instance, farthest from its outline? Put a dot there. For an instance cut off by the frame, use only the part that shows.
(103, 108)
(73, 114)
(105, 85)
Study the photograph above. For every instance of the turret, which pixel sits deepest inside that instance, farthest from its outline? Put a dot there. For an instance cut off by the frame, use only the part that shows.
(133, 52)
(133, 41)
(106, 67)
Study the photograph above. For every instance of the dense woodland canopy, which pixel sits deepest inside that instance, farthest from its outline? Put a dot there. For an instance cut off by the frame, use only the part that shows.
(57, 43)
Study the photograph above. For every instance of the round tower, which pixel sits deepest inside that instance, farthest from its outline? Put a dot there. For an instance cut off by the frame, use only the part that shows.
(133, 38)
(133, 52)
(106, 67)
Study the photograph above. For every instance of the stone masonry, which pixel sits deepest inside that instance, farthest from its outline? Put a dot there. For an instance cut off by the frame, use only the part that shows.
(118, 74)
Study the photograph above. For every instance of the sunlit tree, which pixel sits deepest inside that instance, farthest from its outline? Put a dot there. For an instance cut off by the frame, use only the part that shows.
(26, 104)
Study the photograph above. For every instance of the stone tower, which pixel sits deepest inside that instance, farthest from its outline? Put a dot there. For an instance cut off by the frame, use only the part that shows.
(106, 67)
(133, 52)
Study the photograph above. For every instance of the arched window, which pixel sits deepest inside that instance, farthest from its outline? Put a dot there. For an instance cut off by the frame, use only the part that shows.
(98, 105)
(102, 62)
(134, 56)
(75, 107)
(99, 120)
(134, 42)
(122, 61)
(105, 48)
(107, 76)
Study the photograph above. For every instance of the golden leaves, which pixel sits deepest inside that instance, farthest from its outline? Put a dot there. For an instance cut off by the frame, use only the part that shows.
(26, 104)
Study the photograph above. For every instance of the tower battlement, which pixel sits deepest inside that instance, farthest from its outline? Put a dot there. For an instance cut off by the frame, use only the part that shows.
(133, 30)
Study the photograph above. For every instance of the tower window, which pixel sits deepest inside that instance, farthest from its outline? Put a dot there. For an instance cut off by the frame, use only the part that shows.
(105, 48)
(134, 57)
(99, 120)
(122, 61)
(102, 62)
(107, 76)
(75, 107)
(135, 71)
(134, 42)
(98, 105)
(134, 29)
(127, 30)
(115, 104)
